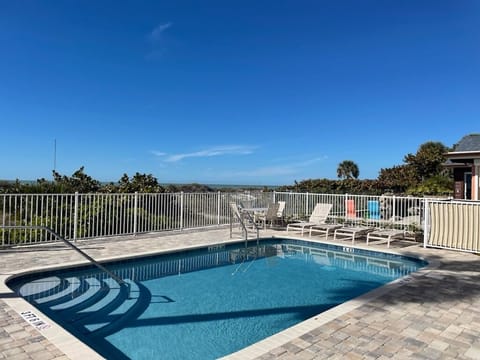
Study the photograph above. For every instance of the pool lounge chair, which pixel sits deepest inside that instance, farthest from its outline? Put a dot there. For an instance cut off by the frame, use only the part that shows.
(374, 209)
(386, 235)
(326, 229)
(351, 232)
(352, 216)
(350, 211)
(319, 216)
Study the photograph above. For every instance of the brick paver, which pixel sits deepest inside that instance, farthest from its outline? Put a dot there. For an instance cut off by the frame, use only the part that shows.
(434, 315)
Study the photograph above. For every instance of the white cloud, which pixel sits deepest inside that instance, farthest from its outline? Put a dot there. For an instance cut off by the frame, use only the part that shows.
(158, 153)
(309, 162)
(158, 42)
(157, 33)
(214, 151)
(280, 170)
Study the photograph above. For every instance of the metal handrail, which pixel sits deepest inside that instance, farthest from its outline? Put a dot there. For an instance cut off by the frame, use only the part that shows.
(59, 237)
(239, 217)
(242, 223)
(235, 211)
(252, 220)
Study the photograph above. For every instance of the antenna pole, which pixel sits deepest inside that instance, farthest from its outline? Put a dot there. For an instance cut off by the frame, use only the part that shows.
(54, 154)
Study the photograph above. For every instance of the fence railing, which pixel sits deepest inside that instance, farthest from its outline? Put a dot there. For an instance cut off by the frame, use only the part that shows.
(378, 211)
(85, 216)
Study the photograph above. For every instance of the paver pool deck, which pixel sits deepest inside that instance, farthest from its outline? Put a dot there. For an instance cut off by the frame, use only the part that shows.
(432, 314)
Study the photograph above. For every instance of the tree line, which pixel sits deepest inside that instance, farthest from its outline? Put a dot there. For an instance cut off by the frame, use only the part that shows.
(83, 183)
(420, 174)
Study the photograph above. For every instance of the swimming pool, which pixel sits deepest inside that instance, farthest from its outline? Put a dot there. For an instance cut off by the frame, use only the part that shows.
(209, 302)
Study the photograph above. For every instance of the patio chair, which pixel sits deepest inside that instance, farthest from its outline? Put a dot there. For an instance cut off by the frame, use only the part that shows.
(351, 215)
(270, 216)
(241, 215)
(319, 216)
(235, 210)
(350, 211)
(325, 229)
(374, 209)
(281, 210)
(351, 232)
(386, 235)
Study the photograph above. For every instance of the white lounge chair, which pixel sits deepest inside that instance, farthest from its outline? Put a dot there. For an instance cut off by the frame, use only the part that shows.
(386, 235)
(319, 216)
(325, 229)
(351, 232)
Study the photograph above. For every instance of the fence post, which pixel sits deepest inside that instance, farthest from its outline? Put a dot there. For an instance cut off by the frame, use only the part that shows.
(274, 196)
(345, 205)
(307, 198)
(426, 222)
(4, 200)
(181, 210)
(75, 217)
(135, 213)
(218, 207)
(394, 205)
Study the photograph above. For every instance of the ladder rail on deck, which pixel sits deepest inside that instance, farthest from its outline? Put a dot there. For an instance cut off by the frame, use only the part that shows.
(68, 243)
(237, 214)
(252, 221)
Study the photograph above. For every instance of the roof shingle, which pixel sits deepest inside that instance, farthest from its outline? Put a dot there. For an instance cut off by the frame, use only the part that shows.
(468, 143)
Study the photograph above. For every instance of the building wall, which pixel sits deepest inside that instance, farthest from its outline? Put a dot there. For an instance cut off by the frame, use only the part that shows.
(459, 181)
(459, 187)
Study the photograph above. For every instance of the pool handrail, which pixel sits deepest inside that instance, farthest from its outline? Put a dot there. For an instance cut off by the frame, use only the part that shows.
(235, 211)
(74, 247)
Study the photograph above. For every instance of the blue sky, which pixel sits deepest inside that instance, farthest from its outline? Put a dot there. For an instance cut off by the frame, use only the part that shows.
(233, 92)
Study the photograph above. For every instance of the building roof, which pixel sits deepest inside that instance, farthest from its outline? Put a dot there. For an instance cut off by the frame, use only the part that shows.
(470, 143)
(465, 152)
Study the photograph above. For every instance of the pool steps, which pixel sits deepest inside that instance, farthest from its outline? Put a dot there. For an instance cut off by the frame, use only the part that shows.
(119, 306)
(72, 285)
(132, 308)
(40, 286)
(110, 293)
(89, 305)
(94, 285)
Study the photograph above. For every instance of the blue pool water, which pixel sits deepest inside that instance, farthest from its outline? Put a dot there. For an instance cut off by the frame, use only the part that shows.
(207, 303)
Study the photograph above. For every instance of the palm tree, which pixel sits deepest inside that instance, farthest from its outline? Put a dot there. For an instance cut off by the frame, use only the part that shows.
(347, 169)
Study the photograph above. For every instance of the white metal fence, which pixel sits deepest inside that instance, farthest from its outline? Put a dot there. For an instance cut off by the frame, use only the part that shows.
(377, 211)
(84, 216)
